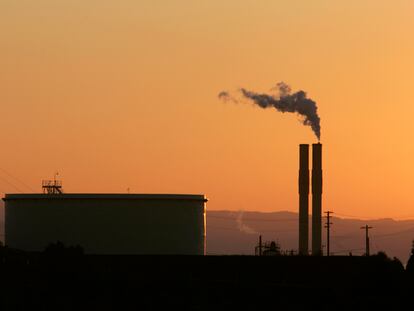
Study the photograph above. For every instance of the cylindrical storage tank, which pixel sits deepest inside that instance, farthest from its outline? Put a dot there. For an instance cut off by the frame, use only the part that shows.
(107, 223)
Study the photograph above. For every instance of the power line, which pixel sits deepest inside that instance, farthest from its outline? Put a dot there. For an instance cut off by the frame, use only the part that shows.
(395, 218)
(17, 179)
(346, 236)
(394, 233)
(353, 216)
(347, 250)
(252, 219)
(352, 235)
(236, 229)
(10, 184)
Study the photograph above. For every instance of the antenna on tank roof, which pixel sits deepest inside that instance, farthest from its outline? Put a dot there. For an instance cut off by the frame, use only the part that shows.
(52, 186)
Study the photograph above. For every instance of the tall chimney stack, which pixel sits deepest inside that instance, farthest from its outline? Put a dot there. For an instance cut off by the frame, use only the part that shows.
(317, 199)
(303, 199)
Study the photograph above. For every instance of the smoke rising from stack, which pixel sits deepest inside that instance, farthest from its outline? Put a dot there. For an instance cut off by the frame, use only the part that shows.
(225, 96)
(242, 227)
(283, 101)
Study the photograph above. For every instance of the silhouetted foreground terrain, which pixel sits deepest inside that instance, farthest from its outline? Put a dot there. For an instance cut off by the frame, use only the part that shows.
(65, 279)
(236, 233)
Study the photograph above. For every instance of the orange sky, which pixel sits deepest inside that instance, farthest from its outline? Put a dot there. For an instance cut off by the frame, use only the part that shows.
(123, 94)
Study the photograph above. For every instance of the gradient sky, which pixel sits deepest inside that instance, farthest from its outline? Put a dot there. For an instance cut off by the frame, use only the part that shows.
(123, 94)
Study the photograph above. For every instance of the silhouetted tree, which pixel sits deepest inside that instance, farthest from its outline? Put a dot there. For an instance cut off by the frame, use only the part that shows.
(397, 265)
(57, 248)
(382, 255)
(60, 249)
(410, 263)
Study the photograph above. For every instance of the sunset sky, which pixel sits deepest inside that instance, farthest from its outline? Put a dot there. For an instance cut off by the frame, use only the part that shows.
(123, 94)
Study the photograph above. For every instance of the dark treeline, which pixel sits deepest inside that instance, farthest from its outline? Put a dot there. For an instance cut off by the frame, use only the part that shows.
(64, 278)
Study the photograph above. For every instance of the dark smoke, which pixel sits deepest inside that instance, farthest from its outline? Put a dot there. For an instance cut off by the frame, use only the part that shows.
(224, 95)
(284, 101)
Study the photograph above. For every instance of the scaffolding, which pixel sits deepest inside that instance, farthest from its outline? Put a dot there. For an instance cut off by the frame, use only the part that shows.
(52, 186)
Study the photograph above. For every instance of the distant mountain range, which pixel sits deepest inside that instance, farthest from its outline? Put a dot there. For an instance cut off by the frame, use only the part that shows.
(238, 233)
(230, 232)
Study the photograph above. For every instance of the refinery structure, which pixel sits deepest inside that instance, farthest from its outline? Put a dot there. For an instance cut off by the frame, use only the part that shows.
(141, 223)
(107, 223)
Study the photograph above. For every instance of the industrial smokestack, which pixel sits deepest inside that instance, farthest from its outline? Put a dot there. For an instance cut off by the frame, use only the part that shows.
(317, 199)
(303, 199)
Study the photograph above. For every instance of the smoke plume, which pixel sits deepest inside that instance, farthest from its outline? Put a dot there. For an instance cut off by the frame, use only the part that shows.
(225, 96)
(242, 227)
(284, 101)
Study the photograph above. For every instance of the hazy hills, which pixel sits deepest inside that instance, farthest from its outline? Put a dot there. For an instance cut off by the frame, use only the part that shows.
(238, 232)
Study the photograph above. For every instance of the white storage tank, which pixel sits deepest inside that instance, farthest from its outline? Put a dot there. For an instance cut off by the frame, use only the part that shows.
(108, 223)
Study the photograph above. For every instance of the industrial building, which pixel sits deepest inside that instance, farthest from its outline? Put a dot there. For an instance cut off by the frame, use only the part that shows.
(107, 223)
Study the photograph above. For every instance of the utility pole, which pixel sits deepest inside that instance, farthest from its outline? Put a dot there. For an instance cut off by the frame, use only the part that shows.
(366, 227)
(328, 228)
